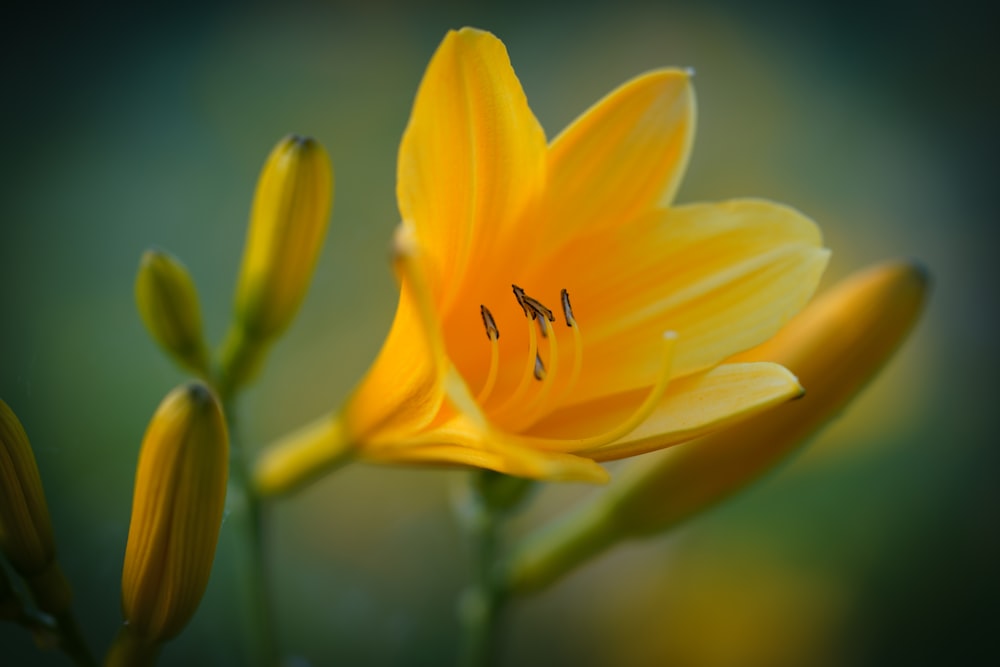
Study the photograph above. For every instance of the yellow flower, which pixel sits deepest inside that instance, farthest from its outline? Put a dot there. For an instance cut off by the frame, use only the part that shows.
(25, 527)
(180, 489)
(835, 346)
(555, 310)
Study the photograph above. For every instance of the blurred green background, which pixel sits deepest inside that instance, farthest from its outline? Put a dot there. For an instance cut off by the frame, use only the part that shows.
(130, 127)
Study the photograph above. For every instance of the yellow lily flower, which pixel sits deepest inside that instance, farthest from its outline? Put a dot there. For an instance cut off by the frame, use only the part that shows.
(555, 310)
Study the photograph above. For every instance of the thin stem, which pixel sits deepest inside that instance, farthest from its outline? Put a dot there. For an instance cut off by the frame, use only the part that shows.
(481, 605)
(481, 609)
(129, 650)
(62, 632)
(247, 513)
(71, 640)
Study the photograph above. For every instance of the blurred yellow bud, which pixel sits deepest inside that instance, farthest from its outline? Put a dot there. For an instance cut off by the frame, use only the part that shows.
(180, 490)
(168, 303)
(834, 346)
(288, 222)
(25, 527)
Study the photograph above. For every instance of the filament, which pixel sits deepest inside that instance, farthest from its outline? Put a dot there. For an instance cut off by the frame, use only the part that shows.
(626, 426)
(491, 376)
(526, 376)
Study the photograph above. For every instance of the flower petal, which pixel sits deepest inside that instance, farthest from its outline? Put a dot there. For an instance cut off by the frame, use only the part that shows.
(622, 157)
(406, 386)
(461, 441)
(402, 390)
(472, 156)
(724, 276)
(692, 407)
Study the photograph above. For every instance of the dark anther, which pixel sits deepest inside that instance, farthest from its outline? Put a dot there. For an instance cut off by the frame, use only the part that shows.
(520, 296)
(491, 326)
(567, 309)
(538, 308)
(539, 368)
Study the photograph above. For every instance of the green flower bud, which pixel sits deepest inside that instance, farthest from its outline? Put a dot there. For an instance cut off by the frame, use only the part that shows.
(168, 303)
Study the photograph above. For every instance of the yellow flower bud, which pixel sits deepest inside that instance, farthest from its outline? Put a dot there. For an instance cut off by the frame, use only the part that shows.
(288, 222)
(180, 490)
(25, 527)
(168, 303)
(834, 346)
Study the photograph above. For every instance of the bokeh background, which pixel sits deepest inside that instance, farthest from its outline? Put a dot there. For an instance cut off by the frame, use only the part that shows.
(127, 127)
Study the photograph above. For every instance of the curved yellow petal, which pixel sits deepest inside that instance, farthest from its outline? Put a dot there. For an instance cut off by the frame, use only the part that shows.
(463, 442)
(691, 407)
(405, 387)
(724, 276)
(835, 346)
(472, 157)
(622, 157)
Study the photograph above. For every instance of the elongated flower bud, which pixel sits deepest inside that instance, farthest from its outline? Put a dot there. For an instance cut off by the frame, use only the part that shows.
(168, 303)
(835, 346)
(288, 222)
(25, 527)
(180, 490)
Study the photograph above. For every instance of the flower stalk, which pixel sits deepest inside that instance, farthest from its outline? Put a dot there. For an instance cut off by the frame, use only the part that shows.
(246, 516)
(491, 499)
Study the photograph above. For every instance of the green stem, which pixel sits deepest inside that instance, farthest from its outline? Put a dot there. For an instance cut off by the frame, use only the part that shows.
(58, 630)
(71, 640)
(247, 514)
(242, 357)
(129, 650)
(481, 609)
(482, 603)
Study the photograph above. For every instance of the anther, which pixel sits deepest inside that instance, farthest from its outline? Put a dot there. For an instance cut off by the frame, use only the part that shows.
(543, 328)
(539, 368)
(491, 326)
(537, 308)
(567, 309)
(520, 296)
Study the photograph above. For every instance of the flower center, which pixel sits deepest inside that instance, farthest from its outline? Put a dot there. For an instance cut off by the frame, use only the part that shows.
(526, 403)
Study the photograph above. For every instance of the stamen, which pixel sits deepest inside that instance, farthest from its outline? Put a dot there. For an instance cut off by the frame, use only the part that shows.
(577, 356)
(543, 328)
(528, 417)
(494, 335)
(539, 368)
(537, 307)
(519, 295)
(567, 309)
(529, 372)
(491, 326)
(584, 446)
